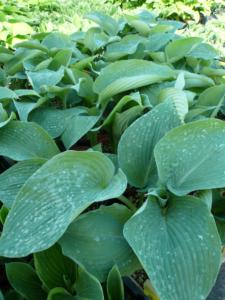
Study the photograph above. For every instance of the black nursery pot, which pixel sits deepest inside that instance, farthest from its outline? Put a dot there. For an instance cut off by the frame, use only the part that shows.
(218, 291)
(132, 290)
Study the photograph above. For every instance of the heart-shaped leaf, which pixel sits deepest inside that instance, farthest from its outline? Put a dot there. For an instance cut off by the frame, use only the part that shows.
(55, 195)
(178, 246)
(191, 157)
(98, 236)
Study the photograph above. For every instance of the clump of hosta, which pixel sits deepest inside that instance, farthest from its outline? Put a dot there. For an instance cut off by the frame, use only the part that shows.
(112, 145)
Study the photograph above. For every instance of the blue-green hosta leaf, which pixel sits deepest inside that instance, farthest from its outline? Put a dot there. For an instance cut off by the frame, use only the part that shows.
(204, 51)
(178, 246)
(4, 118)
(193, 80)
(57, 40)
(115, 289)
(95, 39)
(87, 286)
(179, 100)
(95, 240)
(139, 24)
(32, 44)
(14, 178)
(158, 40)
(213, 98)
(180, 48)
(1, 296)
(21, 93)
(133, 97)
(44, 78)
(76, 127)
(108, 24)
(54, 269)
(136, 146)
(24, 280)
(127, 45)
(25, 108)
(125, 75)
(191, 157)
(54, 196)
(62, 58)
(51, 119)
(23, 140)
(6, 93)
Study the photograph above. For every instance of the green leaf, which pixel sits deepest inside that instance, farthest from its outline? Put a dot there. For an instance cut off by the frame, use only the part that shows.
(193, 80)
(13, 295)
(95, 240)
(59, 293)
(108, 24)
(127, 45)
(204, 51)
(136, 146)
(24, 280)
(187, 153)
(14, 178)
(22, 140)
(180, 48)
(54, 269)
(51, 119)
(179, 100)
(212, 98)
(87, 286)
(1, 296)
(6, 93)
(46, 77)
(115, 289)
(95, 39)
(125, 75)
(76, 127)
(54, 196)
(58, 40)
(178, 246)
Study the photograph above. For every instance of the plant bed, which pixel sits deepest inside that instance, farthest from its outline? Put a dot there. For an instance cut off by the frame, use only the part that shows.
(112, 143)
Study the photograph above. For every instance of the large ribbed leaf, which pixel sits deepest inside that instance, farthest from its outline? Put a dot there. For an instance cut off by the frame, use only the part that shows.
(96, 241)
(178, 246)
(125, 75)
(56, 194)
(23, 140)
(179, 48)
(14, 178)
(136, 146)
(191, 157)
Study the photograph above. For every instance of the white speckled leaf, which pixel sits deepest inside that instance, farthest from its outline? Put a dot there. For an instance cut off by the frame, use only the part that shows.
(22, 140)
(95, 240)
(191, 157)
(129, 74)
(178, 246)
(55, 195)
(14, 178)
(136, 146)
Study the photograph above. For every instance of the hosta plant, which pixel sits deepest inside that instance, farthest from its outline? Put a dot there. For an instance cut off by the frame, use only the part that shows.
(112, 145)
